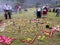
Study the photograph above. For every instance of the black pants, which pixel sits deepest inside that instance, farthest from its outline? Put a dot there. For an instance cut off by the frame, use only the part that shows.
(7, 14)
(38, 14)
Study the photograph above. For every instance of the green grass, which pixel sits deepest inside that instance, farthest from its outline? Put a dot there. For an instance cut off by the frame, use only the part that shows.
(31, 15)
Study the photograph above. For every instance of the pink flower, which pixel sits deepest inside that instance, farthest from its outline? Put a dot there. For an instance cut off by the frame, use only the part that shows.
(6, 40)
(35, 20)
(9, 40)
(53, 29)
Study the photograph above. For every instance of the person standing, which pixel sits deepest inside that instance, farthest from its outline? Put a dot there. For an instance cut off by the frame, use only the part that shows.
(39, 12)
(19, 8)
(58, 11)
(44, 11)
(53, 9)
(16, 8)
(7, 11)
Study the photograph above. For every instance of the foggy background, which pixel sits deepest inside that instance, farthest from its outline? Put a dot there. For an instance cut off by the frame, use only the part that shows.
(29, 3)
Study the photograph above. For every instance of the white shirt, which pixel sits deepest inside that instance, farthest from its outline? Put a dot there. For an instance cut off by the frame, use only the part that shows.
(39, 9)
(7, 7)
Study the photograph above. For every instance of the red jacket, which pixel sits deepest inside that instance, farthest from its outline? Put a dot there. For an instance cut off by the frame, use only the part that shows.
(45, 10)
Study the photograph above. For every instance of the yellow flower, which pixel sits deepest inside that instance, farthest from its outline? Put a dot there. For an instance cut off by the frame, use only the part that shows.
(29, 39)
(39, 37)
(42, 37)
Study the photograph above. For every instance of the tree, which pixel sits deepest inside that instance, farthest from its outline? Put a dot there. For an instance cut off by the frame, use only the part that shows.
(20, 1)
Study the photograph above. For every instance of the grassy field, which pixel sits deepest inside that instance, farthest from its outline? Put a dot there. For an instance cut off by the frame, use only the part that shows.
(29, 29)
